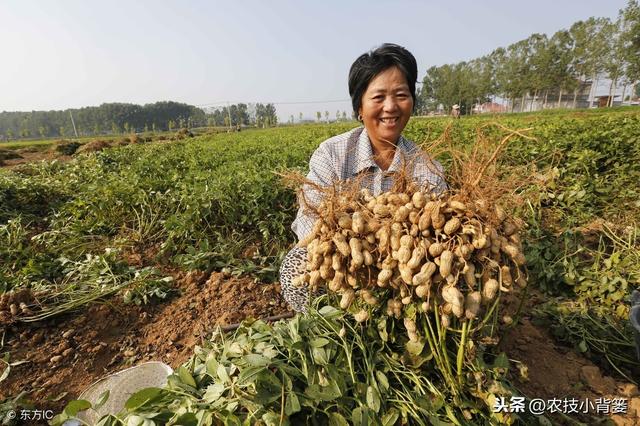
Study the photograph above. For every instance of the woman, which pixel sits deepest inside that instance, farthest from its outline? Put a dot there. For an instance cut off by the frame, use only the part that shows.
(382, 86)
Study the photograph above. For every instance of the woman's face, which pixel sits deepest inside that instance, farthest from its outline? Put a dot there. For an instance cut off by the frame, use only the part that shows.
(386, 106)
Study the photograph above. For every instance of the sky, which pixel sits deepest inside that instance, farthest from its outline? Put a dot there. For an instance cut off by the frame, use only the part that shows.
(296, 54)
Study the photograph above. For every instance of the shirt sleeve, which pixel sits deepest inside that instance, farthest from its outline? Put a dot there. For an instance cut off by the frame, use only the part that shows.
(321, 171)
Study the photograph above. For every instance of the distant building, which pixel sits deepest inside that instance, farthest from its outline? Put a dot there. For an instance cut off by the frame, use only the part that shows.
(588, 95)
(603, 101)
(489, 108)
(553, 99)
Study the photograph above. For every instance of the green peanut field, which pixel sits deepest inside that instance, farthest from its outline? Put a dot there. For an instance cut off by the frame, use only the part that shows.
(218, 204)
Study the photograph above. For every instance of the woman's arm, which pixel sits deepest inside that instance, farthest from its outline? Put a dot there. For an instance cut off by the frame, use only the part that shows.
(321, 172)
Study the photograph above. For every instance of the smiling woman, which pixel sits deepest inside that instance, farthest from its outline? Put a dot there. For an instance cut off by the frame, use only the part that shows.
(385, 110)
(382, 87)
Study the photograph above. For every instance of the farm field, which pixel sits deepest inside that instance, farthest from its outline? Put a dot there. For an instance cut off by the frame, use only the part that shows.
(137, 252)
(18, 152)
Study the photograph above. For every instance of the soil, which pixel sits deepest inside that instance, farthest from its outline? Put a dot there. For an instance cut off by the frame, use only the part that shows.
(60, 358)
(66, 355)
(31, 155)
(554, 371)
(94, 146)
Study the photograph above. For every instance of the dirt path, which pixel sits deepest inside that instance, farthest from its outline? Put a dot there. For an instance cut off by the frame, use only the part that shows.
(31, 155)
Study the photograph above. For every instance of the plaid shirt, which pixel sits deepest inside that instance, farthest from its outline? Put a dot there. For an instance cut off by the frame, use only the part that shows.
(348, 155)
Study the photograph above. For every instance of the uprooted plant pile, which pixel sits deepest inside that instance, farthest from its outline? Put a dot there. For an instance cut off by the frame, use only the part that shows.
(318, 368)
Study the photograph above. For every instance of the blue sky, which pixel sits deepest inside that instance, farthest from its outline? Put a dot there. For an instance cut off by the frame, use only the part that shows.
(69, 54)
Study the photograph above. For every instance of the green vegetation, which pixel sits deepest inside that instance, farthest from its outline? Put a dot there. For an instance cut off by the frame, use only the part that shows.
(553, 70)
(594, 331)
(202, 202)
(66, 230)
(37, 144)
(197, 203)
(322, 368)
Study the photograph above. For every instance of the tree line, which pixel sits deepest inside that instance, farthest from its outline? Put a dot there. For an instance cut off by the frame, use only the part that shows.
(542, 67)
(123, 118)
(260, 115)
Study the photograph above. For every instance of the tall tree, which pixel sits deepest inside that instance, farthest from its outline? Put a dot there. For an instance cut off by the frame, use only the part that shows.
(514, 74)
(558, 72)
(630, 42)
(93, 120)
(615, 57)
(589, 50)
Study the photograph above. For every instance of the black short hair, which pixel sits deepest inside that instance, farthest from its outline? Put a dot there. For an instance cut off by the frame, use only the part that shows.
(370, 64)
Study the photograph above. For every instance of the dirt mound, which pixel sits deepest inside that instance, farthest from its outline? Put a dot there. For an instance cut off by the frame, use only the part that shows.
(66, 355)
(66, 147)
(8, 154)
(63, 150)
(32, 156)
(28, 150)
(552, 371)
(135, 138)
(182, 134)
(94, 146)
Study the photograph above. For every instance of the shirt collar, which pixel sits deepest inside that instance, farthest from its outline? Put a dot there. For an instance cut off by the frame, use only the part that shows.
(398, 155)
(364, 154)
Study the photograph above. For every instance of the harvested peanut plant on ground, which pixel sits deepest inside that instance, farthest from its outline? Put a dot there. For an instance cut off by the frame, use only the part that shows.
(318, 368)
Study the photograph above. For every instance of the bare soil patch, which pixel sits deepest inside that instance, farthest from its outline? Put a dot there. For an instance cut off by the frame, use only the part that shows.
(29, 155)
(111, 336)
(94, 146)
(554, 371)
(11, 158)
